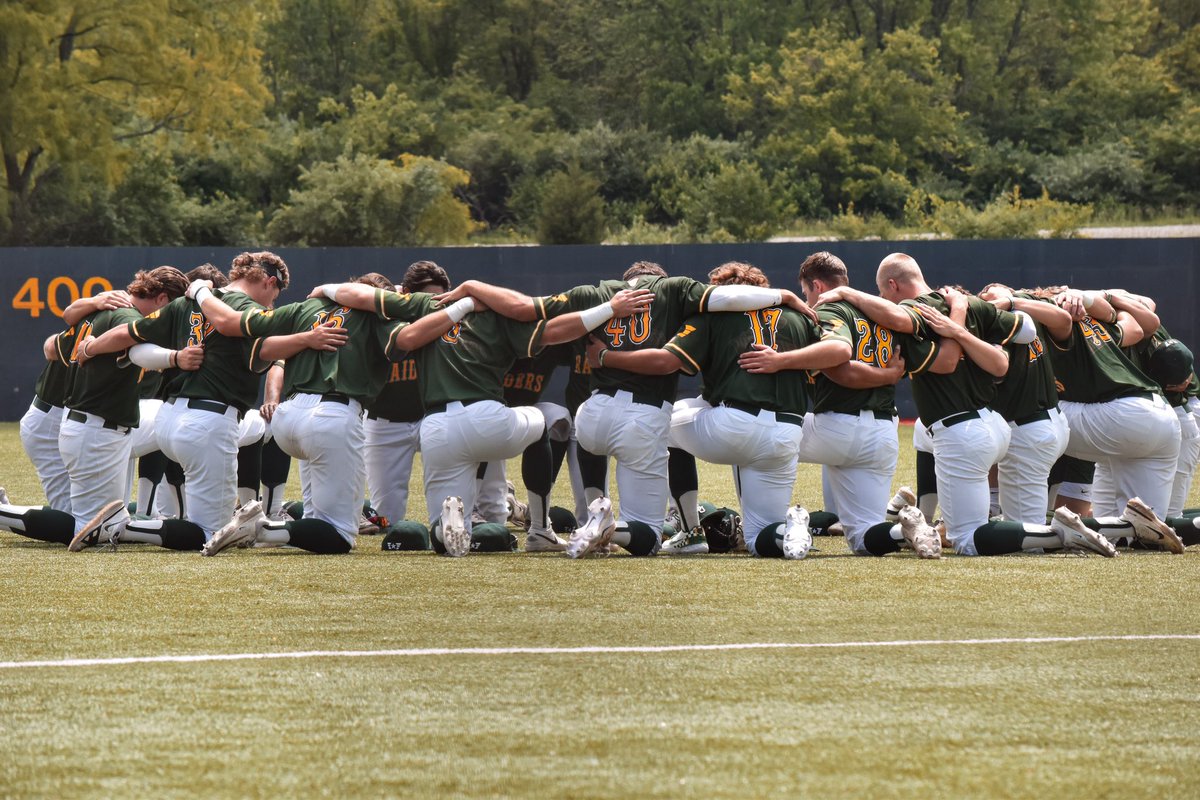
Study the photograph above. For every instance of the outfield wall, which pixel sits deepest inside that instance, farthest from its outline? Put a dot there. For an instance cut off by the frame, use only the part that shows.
(37, 283)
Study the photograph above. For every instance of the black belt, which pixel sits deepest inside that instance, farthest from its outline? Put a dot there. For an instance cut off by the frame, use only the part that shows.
(200, 404)
(334, 397)
(1038, 417)
(643, 399)
(1139, 396)
(373, 415)
(42, 405)
(954, 419)
(79, 416)
(439, 408)
(780, 416)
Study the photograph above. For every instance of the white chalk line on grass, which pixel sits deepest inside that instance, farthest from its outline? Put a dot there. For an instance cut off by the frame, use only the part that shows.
(586, 650)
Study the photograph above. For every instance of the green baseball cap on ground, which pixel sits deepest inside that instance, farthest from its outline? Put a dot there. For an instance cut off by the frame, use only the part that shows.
(407, 535)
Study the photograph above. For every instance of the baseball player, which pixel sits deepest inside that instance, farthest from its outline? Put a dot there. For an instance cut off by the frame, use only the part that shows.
(851, 430)
(749, 418)
(1116, 414)
(466, 423)
(392, 428)
(953, 361)
(40, 424)
(1169, 363)
(320, 422)
(541, 461)
(1027, 398)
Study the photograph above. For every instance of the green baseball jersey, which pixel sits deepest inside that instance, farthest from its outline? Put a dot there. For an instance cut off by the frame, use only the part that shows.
(1028, 386)
(675, 299)
(357, 369)
(54, 383)
(528, 378)
(711, 343)
(870, 344)
(969, 387)
(469, 361)
(579, 381)
(400, 398)
(1091, 367)
(231, 366)
(106, 385)
(1140, 354)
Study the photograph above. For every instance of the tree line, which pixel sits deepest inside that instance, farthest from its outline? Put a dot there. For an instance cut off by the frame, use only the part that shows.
(415, 122)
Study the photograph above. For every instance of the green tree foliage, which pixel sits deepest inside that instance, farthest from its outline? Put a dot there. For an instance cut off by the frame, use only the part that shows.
(89, 85)
(696, 119)
(571, 210)
(374, 202)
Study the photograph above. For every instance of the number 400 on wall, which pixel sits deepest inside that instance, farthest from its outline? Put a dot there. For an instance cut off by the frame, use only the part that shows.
(29, 296)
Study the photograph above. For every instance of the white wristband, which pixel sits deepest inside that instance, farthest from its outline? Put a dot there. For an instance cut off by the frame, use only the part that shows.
(460, 308)
(1089, 298)
(202, 294)
(330, 290)
(596, 316)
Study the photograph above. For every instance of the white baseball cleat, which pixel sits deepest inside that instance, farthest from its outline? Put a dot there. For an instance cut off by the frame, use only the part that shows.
(4, 497)
(241, 531)
(89, 534)
(544, 542)
(1149, 529)
(518, 512)
(596, 532)
(685, 543)
(920, 537)
(904, 496)
(797, 538)
(1077, 536)
(455, 535)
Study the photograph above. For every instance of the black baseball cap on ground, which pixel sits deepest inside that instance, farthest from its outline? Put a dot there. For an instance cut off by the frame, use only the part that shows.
(407, 535)
(1171, 363)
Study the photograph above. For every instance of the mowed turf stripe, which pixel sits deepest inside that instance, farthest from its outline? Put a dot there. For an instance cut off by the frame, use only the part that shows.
(586, 650)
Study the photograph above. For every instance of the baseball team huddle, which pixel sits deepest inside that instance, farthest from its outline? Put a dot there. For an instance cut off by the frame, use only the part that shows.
(1050, 418)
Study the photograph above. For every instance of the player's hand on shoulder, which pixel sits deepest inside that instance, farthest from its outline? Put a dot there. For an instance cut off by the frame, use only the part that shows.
(834, 295)
(327, 337)
(190, 358)
(114, 298)
(631, 301)
(457, 293)
(761, 359)
(593, 351)
(793, 300)
(938, 322)
(196, 286)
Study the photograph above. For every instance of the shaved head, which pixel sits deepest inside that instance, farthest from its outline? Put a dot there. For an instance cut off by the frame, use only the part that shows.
(899, 278)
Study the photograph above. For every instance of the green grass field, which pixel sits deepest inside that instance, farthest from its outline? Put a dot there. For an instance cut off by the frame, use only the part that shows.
(1095, 717)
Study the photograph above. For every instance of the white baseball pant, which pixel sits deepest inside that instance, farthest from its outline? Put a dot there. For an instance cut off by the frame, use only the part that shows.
(963, 454)
(636, 435)
(456, 441)
(39, 437)
(389, 452)
(761, 449)
(858, 456)
(1023, 471)
(1185, 466)
(205, 445)
(1136, 439)
(327, 436)
(96, 458)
